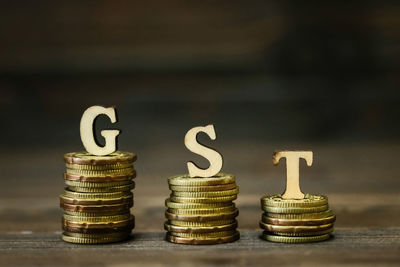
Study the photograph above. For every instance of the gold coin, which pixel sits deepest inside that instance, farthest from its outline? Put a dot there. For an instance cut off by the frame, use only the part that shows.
(206, 194)
(97, 214)
(202, 218)
(121, 188)
(108, 201)
(81, 240)
(204, 235)
(78, 195)
(86, 158)
(98, 225)
(175, 205)
(295, 239)
(114, 172)
(83, 235)
(186, 180)
(99, 167)
(201, 224)
(209, 188)
(300, 216)
(293, 222)
(92, 184)
(220, 210)
(120, 217)
(100, 179)
(96, 208)
(295, 229)
(108, 230)
(322, 232)
(210, 229)
(202, 199)
(307, 201)
(295, 210)
(202, 241)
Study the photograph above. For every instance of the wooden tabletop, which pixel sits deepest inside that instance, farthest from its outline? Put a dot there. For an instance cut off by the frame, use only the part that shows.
(361, 181)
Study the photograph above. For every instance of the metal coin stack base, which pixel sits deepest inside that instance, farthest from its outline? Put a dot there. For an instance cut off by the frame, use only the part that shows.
(98, 197)
(296, 220)
(200, 211)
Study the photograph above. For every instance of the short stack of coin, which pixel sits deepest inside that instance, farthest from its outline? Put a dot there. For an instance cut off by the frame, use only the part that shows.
(98, 198)
(296, 220)
(201, 210)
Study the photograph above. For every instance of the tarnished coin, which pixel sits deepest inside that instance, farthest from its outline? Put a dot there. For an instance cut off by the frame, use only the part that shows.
(322, 232)
(202, 241)
(86, 158)
(97, 213)
(82, 235)
(127, 187)
(277, 221)
(199, 230)
(220, 210)
(104, 173)
(204, 235)
(107, 201)
(186, 180)
(300, 216)
(97, 208)
(206, 194)
(102, 225)
(119, 165)
(308, 201)
(108, 230)
(101, 179)
(93, 184)
(209, 188)
(295, 210)
(79, 195)
(295, 239)
(202, 224)
(176, 205)
(120, 217)
(295, 229)
(202, 199)
(201, 218)
(104, 240)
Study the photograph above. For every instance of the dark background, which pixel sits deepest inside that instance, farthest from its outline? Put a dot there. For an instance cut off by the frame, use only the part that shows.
(270, 75)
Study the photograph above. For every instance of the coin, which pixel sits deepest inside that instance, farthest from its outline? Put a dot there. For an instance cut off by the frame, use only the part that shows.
(186, 180)
(300, 216)
(78, 195)
(93, 184)
(81, 240)
(204, 235)
(322, 232)
(304, 222)
(102, 179)
(78, 218)
(220, 210)
(202, 241)
(201, 224)
(91, 225)
(308, 201)
(82, 235)
(97, 213)
(127, 187)
(203, 199)
(89, 159)
(295, 229)
(176, 205)
(106, 167)
(201, 218)
(294, 210)
(208, 188)
(203, 229)
(206, 194)
(109, 230)
(97, 208)
(295, 239)
(108, 201)
(114, 172)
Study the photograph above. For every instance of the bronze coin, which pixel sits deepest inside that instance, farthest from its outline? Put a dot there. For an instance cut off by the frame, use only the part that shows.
(89, 159)
(201, 218)
(107, 179)
(205, 188)
(125, 229)
(199, 230)
(97, 208)
(97, 225)
(76, 201)
(295, 229)
(202, 241)
(298, 222)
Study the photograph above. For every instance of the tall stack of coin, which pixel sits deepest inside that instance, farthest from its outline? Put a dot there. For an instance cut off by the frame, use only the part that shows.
(201, 210)
(98, 198)
(296, 220)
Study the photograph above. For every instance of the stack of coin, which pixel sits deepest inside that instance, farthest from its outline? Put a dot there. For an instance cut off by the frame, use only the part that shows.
(296, 220)
(98, 198)
(201, 210)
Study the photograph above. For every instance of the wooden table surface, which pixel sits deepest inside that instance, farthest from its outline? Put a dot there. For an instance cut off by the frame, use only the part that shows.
(361, 181)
